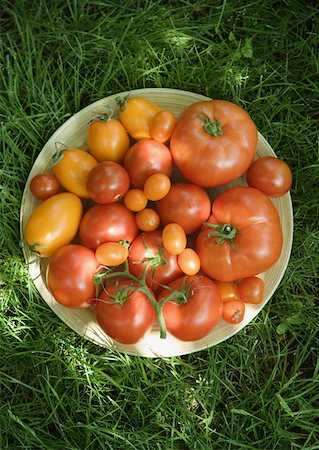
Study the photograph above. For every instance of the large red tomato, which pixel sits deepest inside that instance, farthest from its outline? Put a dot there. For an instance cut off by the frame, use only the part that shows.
(195, 310)
(247, 238)
(213, 142)
(71, 275)
(107, 223)
(145, 158)
(185, 204)
(147, 248)
(126, 315)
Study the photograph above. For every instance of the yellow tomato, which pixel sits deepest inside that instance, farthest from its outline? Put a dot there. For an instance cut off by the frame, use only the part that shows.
(174, 238)
(137, 115)
(73, 170)
(53, 223)
(108, 140)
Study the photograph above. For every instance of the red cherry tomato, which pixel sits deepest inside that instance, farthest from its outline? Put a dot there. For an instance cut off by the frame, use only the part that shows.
(107, 182)
(233, 311)
(107, 223)
(44, 185)
(145, 158)
(270, 175)
(185, 204)
(251, 290)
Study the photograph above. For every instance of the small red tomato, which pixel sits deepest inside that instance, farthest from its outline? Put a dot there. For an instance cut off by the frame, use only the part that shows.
(233, 311)
(44, 185)
(162, 126)
(270, 175)
(251, 290)
(107, 182)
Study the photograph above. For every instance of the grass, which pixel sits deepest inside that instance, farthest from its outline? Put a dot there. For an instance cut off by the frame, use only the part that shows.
(258, 390)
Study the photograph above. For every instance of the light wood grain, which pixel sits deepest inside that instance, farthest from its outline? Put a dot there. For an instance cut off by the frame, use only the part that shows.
(73, 133)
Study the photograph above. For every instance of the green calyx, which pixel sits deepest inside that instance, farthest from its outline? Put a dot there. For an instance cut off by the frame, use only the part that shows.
(211, 126)
(223, 233)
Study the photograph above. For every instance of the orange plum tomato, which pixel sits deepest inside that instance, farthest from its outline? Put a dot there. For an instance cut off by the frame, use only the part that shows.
(108, 140)
(174, 238)
(72, 170)
(71, 274)
(163, 125)
(194, 310)
(135, 200)
(107, 223)
(185, 204)
(137, 115)
(53, 223)
(124, 312)
(107, 182)
(147, 219)
(111, 254)
(214, 142)
(228, 290)
(157, 186)
(189, 262)
(233, 311)
(145, 158)
(270, 175)
(44, 185)
(251, 290)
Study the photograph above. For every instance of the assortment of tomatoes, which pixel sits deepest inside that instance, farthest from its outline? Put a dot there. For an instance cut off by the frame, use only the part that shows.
(125, 238)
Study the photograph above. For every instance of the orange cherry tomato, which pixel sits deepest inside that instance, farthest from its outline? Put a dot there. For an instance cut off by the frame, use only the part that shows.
(228, 290)
(108, 140)
(73, 170)
(174, 238)
(251, 290)
(188, 261)
(147, 219)
(111, 254)
(135, 200)
(157, 186)
(233, 311)
(53, 223)
(137, 115)
(163, 126)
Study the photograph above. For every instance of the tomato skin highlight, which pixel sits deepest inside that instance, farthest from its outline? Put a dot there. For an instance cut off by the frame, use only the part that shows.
(127, 323)
(185, 204)
(162, 126)
(73, 170)
(137, 115)
(71, 273)
(145, 158)
(258, 236)
(111, 254)
(108, 140)
(149, 245)
(189, 262)
(174, 238)
(54, 223)
(233, 311)
(107, 182)
(251, 290)
(44, 186)
(195, 319)
(107, 223)
(270, 175)
(208, 160)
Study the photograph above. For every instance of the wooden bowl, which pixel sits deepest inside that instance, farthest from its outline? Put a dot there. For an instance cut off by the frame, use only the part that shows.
(73, 133)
